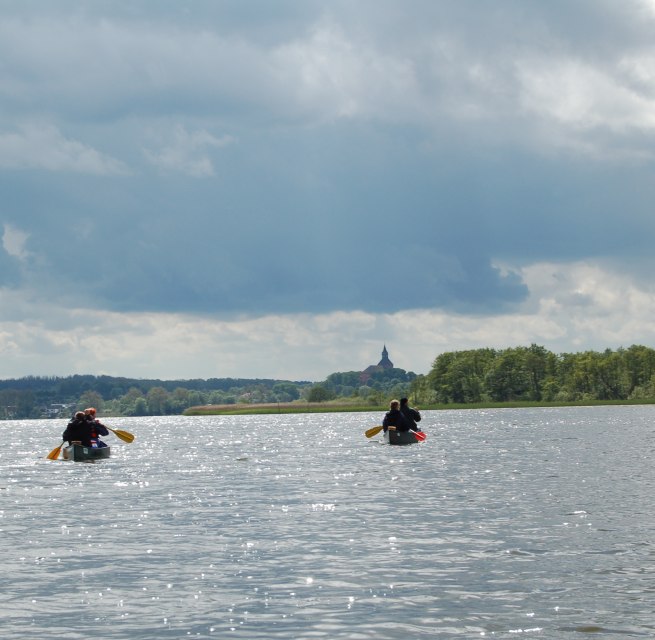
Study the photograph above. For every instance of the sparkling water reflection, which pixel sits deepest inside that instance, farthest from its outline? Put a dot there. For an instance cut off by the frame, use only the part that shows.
(536, 522)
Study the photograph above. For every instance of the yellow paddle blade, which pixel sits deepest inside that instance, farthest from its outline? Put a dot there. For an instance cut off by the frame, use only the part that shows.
(126, 436)
(373, 431)
(54, 454)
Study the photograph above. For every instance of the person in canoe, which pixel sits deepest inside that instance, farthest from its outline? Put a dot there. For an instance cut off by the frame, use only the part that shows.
(411, 415)
(95, 427)
(394, 418)
(78, 430)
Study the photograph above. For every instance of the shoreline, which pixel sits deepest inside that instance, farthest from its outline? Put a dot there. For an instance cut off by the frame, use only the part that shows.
(341, 407)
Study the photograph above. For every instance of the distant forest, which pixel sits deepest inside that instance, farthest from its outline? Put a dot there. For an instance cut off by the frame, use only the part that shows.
(458, 377)
(59, 397)
(536, 374)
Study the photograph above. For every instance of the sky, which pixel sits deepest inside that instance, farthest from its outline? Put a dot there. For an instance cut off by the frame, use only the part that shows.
(279, 188)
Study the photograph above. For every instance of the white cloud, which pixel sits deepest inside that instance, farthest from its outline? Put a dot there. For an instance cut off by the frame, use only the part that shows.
(412, 91)
(13, 242)
(42, 146)
(572, 307)
(328, 68)
(584, 97)
(332, 75)
(187, 152)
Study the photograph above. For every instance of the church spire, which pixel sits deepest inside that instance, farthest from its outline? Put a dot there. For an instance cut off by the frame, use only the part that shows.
(385, 363)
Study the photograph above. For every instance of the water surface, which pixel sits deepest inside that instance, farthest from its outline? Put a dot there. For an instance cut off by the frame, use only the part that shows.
(530, 522)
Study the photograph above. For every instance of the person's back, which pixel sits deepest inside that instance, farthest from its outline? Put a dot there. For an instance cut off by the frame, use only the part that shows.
(78, 430)
(394, 418)
(412, 416)
(96, 427)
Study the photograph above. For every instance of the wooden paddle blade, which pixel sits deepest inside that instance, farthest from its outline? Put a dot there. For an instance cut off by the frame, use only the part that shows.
(54, 454)
(420, 436)
(373, 431)
(126, 436)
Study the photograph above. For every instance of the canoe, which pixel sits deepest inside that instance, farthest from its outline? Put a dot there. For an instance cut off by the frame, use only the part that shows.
(80, 453)
(400, 437)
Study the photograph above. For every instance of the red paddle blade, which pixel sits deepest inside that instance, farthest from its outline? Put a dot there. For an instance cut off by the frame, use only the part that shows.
(420, 436)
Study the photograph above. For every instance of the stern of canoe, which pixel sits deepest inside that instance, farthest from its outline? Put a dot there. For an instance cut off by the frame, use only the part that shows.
(80, 453)
(400, 437)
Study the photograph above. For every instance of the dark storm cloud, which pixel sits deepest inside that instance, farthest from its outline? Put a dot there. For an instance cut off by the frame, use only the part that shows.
(228, 157)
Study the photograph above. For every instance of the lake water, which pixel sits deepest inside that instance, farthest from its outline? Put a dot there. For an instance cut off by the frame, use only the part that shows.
(531, 523)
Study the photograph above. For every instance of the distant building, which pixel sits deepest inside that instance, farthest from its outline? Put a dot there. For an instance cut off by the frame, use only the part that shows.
(56, 410)
(385, 363)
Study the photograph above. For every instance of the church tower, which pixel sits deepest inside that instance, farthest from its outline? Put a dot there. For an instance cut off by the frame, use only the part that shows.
(385, 363)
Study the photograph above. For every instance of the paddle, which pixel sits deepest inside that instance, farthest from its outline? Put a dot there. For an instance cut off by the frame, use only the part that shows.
(126, 436)
(373, 431)
(54, 454)
(420, 436)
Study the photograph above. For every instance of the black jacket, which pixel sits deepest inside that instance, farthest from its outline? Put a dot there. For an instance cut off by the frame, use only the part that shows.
(78, 429)
(411, 415)
(396, 419)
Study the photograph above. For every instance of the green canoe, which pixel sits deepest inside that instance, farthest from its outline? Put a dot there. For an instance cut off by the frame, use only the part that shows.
(400, 437)
(80, 453)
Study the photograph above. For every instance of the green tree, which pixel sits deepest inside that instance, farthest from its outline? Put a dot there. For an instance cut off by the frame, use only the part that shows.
(26, 406)
(9, 403)
(157, 400)
(536, 364)
(583, 376)
(318, 393)
(140, 407)
(399, 390)
(420, 391)
(91, 399)
(458, 376)
(288, 389)
(344, 383)
(376, 398)
(195, 398)
(509, 377)
(640, 366)
(128, 401)
(613, 377)
(179, 400)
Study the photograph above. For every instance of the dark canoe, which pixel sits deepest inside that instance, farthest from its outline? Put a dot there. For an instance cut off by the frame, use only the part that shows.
(80, 453)
(400, 437)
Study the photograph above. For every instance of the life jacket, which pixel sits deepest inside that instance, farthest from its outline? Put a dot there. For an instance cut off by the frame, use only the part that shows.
(93, 432)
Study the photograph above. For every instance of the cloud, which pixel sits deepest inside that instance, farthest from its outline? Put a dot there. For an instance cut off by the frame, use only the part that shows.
(53, 340)
(333, 167)
(13, 242)
(338, 62)
(187, 152)
(42, 146)
(590, 111)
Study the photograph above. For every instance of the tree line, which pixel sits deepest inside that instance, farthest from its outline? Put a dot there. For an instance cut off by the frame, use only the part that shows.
(60, 397)
(457, 377)
(535, 374)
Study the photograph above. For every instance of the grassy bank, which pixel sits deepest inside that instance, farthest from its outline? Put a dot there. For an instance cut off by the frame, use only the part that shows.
(277, 407)
(346, 407)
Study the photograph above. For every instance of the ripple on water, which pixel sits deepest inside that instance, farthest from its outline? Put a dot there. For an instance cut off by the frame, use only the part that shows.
(505, 522)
